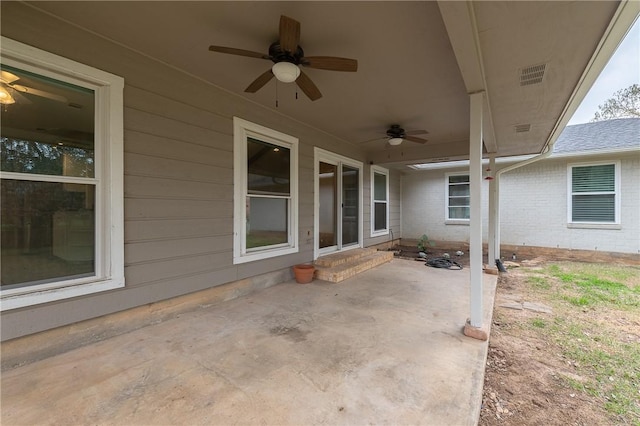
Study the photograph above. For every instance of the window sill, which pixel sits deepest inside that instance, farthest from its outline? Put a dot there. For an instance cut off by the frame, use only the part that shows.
(577, 225)
(464, 222)
(51, 295)
(379, 233)
(265, 254)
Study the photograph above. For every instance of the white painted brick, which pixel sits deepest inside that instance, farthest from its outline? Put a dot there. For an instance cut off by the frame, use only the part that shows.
(533, 208)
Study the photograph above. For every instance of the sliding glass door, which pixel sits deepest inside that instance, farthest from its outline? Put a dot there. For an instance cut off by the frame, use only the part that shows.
(339, 201)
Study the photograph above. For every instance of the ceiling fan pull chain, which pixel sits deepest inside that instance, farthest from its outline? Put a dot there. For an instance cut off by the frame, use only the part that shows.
(276, 93)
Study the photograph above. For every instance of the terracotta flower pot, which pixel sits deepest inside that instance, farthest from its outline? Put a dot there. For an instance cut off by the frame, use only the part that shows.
(303, 273)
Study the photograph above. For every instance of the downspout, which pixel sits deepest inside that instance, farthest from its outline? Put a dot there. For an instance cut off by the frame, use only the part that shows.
(545, 154)
(548, 150)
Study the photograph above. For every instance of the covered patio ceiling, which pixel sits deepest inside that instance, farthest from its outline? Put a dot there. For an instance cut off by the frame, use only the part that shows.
(418, 61)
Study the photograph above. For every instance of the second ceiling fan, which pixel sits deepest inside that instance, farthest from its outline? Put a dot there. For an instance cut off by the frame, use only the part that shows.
(397, 134)
(287, 57)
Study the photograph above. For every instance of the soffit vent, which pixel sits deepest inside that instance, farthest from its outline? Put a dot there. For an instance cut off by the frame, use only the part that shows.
(522, 128)
(532, 75)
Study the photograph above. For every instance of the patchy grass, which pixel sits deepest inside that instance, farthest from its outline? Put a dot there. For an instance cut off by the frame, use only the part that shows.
(539, 282)
(539, 323)
(592, 285)
(595, 325)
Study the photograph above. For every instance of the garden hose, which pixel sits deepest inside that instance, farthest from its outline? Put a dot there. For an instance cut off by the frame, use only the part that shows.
(442, 262)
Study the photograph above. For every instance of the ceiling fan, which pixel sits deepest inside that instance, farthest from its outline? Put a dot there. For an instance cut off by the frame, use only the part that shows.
(396, 134)
(8, 81)
(287, 57)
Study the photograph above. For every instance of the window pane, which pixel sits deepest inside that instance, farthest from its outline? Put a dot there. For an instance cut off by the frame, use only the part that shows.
(594, 208)
(459, 179)
(267, 220)
(380, 187)
(458, 190)
(594, 178)
(328, 209)
(49, 129)
(36, 157)
(380, 221)
(268, 167)
(350, 204)
(461, 201)
(458, 212)
(47, 232)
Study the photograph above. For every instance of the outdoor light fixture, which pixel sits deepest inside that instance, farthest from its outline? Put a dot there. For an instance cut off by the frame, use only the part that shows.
(285, 72)
(488, 175)
(395, 141)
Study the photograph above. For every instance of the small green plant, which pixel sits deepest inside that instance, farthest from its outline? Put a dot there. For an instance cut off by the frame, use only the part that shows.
(423, 242)
(539, 323)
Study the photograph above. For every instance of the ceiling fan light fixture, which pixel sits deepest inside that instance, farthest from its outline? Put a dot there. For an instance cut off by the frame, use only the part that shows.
(286, 72)
(5, 97)
(395, 141)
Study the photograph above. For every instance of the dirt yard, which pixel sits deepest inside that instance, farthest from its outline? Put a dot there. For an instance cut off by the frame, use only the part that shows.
(564, 346)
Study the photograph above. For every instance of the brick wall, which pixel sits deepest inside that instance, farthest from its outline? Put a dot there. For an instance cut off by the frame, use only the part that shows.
(423, 207)
(533, 208)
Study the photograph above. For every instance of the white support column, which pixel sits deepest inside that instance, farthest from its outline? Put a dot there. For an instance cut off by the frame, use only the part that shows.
(475, 220)
(496, 213)
(491, 241)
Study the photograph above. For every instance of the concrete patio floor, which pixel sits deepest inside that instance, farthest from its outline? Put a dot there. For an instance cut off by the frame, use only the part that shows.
(384, 347)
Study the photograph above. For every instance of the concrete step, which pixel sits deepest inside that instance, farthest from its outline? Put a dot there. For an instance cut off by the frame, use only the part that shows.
(335, 259)
(356, 264)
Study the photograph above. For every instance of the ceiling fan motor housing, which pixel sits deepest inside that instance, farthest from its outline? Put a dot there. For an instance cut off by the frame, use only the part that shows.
(395, 131)
(277, 54)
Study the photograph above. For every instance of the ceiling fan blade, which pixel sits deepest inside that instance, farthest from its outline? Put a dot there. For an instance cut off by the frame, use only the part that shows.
(331, 63)
(308, 87)
(416, 132)
(41, 93)
(379, 138)
(259, 82)
(7, 77)
(414, 139)
(289, 34)
(239, 52)
(21, 99)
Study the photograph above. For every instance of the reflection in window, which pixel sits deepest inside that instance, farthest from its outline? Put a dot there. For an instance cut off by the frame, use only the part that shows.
(328, 197)
(268, 167)
(268, 194)
(47, 231)
(48, 221)
(267, 220)
(46, 159)
(350, 205)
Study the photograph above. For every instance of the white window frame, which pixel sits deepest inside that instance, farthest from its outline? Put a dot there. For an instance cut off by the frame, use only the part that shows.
(242, 129)
(448, 220)
(617, 197)
(381, 171)
(108, 181)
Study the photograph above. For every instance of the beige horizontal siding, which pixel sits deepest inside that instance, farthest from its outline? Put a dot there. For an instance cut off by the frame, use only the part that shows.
(158, 146)
(143, 230)
(160, 187)
(175, 248)
(178, 176)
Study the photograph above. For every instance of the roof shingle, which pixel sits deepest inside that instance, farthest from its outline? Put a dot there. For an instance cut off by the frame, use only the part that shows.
(619, 133)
